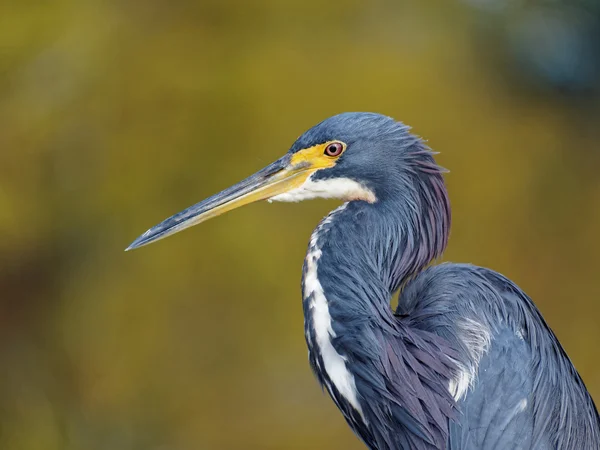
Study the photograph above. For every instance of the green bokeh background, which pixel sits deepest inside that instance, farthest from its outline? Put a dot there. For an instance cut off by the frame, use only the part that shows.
(114, 115)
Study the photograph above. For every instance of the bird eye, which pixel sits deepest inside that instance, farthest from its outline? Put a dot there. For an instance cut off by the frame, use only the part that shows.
(334, 149)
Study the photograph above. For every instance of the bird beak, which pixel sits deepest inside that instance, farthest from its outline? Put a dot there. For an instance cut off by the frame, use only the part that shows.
(277, 178)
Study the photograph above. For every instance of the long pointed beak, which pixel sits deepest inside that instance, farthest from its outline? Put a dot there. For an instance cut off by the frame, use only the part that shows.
(277, 178)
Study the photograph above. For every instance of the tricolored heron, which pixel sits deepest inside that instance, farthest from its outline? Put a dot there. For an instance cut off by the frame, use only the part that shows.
(466, 361)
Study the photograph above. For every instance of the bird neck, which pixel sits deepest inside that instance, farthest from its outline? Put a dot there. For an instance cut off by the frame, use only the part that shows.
(357, 257)
(388, 242)
(361, 253)
(415, 224)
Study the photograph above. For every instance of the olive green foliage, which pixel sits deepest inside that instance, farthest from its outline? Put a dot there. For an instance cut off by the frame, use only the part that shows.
(116, 114)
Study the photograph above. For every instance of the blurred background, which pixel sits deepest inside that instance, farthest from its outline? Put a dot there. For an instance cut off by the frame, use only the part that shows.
(116, 114)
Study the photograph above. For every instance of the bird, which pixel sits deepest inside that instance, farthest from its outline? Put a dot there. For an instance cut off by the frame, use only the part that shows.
(466, 360)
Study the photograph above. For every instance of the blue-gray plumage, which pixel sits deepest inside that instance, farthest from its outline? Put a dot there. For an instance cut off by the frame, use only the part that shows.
(467, 361)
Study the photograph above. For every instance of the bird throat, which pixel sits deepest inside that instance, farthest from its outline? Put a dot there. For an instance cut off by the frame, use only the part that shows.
(328, 364)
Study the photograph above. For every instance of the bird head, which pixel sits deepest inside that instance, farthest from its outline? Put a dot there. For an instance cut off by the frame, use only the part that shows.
(350, 156)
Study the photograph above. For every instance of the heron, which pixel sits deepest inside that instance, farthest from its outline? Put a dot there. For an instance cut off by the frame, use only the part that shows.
(466, 361)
